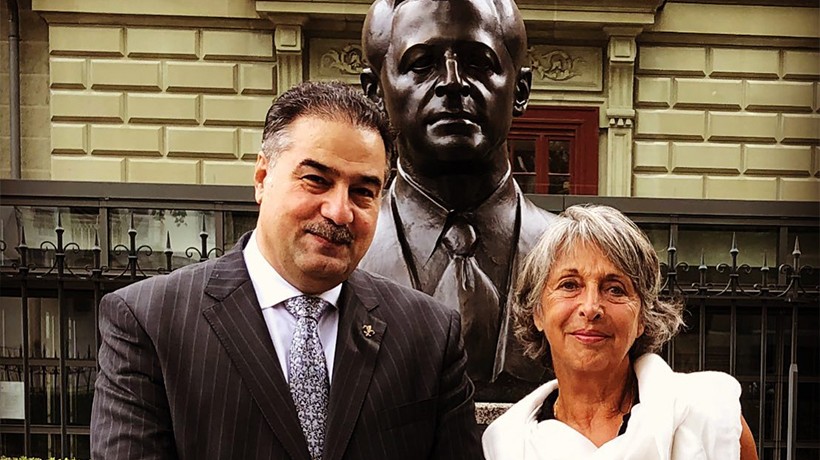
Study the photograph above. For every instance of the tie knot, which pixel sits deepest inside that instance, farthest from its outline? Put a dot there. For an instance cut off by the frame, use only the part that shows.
(306, 306)
(460, 238)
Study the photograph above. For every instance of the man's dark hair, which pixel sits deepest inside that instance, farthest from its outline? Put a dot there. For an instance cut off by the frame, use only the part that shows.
(377, 32)
(334, 101)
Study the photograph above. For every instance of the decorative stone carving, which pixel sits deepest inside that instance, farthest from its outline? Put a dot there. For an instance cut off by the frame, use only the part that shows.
(568, 68)
(335, 59)
(349, 59)
(556, 65)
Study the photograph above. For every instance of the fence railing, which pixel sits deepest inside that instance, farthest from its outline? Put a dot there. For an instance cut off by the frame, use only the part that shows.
(64, 245)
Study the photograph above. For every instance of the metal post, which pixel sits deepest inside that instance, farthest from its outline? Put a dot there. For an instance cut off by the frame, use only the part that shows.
(792, 414)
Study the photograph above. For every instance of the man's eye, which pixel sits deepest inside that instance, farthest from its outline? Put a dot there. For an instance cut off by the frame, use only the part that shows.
(314, 179)
(364, 192)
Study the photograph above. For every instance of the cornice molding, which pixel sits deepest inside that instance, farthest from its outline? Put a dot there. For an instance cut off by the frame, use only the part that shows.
(563, 13)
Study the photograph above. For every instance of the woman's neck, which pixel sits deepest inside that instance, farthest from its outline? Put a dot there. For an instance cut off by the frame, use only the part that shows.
(593, 403)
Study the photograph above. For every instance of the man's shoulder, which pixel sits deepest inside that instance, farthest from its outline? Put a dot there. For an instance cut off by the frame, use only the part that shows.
(173, 281)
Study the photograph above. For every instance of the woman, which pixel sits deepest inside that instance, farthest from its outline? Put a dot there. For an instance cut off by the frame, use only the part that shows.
(587, 304)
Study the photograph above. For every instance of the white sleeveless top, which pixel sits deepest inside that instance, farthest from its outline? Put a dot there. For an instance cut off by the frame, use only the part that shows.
(679, 417)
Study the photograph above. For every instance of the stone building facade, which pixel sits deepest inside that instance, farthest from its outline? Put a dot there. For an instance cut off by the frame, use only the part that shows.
(696, 99)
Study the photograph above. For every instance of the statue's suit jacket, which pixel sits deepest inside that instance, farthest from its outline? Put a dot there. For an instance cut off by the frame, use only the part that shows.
(386, 258)
(188, 370)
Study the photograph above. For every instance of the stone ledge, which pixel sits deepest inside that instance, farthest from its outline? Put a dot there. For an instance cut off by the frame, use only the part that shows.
(487, 412)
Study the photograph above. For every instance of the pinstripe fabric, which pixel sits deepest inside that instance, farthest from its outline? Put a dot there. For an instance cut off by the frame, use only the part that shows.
(188, 370)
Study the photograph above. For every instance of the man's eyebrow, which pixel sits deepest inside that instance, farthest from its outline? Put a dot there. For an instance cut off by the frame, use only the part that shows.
(307, 162)
(372, 180)
(330, 171)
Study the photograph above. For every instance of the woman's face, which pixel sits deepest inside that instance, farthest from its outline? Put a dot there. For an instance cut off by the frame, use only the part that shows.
(590, 312)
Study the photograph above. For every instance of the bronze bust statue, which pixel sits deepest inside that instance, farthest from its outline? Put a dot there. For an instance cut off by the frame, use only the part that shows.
(454, 224)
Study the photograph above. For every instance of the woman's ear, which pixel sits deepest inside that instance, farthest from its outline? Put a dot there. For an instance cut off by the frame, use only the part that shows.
(537, 318)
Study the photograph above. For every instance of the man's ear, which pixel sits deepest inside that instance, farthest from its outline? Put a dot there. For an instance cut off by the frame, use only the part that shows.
(372, 88)
(523, 86)
(260, 171)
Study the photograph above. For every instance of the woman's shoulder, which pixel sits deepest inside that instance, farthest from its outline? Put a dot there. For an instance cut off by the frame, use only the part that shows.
(505, 433)
(704, 408)
(696, 388)
(707, 393)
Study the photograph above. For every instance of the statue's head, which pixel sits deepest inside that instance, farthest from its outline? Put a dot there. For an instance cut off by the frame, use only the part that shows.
(450, 74)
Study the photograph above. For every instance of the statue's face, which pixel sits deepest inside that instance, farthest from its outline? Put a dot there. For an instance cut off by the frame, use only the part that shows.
(448, 81)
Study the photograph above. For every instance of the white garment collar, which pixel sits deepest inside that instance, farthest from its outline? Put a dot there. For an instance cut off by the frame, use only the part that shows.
(271, 289)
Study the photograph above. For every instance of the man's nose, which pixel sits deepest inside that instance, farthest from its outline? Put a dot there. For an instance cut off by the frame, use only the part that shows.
(452, 83)
(337, 206)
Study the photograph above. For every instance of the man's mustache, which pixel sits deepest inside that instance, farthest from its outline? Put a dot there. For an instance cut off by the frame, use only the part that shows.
(336, 234)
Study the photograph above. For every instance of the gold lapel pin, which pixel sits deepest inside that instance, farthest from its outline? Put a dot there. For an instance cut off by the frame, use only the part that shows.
(368, 331)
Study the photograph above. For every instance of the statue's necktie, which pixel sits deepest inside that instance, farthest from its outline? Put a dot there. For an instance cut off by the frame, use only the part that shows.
(307, 375)
(463, 283)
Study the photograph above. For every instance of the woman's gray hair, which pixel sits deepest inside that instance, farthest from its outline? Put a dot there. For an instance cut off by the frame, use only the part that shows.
(625, 245)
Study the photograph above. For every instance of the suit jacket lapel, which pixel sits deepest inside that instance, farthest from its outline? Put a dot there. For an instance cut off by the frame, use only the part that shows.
(357, 345)
(236, 319)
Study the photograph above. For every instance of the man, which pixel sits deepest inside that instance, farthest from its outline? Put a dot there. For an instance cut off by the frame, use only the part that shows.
(281, 348)
(455, 224)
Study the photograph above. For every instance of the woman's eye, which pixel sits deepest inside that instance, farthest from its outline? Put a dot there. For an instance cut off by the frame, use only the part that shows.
(568, 285)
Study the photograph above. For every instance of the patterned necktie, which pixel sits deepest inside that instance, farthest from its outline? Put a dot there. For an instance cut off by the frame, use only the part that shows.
(307, 376)
(463, 283)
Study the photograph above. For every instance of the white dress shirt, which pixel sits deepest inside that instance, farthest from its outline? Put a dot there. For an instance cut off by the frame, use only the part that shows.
(271, 291)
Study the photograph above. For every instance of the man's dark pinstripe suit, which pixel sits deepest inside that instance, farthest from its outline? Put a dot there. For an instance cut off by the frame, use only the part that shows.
(188, 370)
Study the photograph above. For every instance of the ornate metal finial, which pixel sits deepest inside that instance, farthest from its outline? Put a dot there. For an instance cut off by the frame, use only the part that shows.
(734, 251)
(733, 284)
(763, 287)
(169, 253)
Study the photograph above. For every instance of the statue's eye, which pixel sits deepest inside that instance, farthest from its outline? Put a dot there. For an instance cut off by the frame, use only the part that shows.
(479, 60)
(421, 63)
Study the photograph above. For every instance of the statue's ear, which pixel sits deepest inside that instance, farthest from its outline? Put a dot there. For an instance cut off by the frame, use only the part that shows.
(372, 88)
(523, 86)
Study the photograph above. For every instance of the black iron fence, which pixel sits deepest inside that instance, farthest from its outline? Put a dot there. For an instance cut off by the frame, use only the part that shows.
(750, 291)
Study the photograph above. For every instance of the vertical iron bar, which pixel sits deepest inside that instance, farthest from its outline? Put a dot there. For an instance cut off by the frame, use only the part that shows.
(783, 253)
(203, 237)
(219, 227)
(132, 248)
(777, 416)
(761, 418)
(733, 338)
(23, 270)
(105, 238)
(702, 335)
(62, 315)
(96, 278)
(791, 430)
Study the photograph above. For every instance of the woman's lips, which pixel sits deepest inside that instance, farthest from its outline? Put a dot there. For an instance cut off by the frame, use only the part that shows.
(589, 337)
